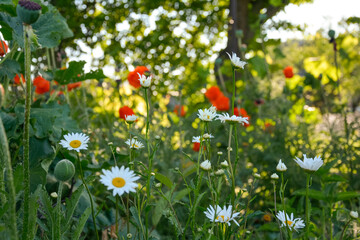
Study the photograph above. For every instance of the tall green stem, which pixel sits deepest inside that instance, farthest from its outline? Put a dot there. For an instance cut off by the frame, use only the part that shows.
(282, 195)
(6, 162)
(26, 145)
(58, 214)
(307, 210)
(148, 144)
(230, 166)
(90, 197)
(233, 94)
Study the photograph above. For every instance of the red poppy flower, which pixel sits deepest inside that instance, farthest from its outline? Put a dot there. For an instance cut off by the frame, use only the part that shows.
(242, 112)
(213, 93)
(3, 48)
(125, 111)
(288, 72)
(73, 85)
(17, 79)
(196, 146)
(41, 85)
(176, 110)
(133, 76)
(222, 103)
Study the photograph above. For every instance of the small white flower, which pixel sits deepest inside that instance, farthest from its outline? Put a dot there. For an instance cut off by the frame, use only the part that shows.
(120, 180)
(131, 118)
(281, 167)
(213, 109)
(208, 136)
(219, 172)
(224, 164)
(144, 81)
(158, 185)
(310, 164)
(75, 141)
(206, 115)
(274, 176)
(354, 214)
(225, 117)
(55, 195)
(205, 165)
(134, 144)
(222, 215)
(196, 139)
(256, 175)
(219, 153)
(236, 61)
(290, 222)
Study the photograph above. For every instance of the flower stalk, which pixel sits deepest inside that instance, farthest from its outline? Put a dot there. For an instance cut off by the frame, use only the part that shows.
(307, 207)
(58, 206)
(230, 166)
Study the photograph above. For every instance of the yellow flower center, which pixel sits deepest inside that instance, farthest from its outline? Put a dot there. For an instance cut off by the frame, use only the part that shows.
(118, 182)
(289, 222)
(135, 146)
(75, 143)
(208, 117)
(222, 216)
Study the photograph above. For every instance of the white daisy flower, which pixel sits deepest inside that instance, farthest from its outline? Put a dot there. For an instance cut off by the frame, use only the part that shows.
(205, 165)
(213, 108)
(75, 141)
(220, 172)
(221, 215)
(131, 118)
(119, 180)
(225, 117)
(274, 176)
(224, 164)
(354, 214)
(134, 144)
(144, 81)
(309, 164)
(281, 167)
(256, 175)
(206, 115)
(196, 139)
(236, 61)
(290, 222)
(208, 136)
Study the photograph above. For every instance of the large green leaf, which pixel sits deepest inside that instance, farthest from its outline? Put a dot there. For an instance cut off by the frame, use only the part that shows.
(346, 195)
(163, 179)
(9, 68)
(312, 194)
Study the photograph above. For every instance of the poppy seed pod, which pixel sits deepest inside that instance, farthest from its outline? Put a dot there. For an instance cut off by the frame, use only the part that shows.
(28, 11)
(64, 170)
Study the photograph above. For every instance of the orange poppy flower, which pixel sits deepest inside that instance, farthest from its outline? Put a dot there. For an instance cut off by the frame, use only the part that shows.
(196, 146)
(125, 111)
(288, 72)
(182, 112)
(73, 85)
(133, 76)
(269, 127)
(3, 48)
(242, 112)
(213, 93)
(222, 103)
(41, 85)
(17, 79)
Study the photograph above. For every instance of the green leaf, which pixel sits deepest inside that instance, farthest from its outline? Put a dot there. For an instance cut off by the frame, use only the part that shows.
(135, 215)
(16, 25)
(164, 180)
(47, 209)
(158, 211)
(80, 226)
(71, 204)
(312, 194)
(346, 195)
(34, 205)
(9, 68)
(180, 194)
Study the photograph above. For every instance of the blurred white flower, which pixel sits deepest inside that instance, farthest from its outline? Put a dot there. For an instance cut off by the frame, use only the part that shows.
(131, 118)
(281, 167)
(236, 61)
(219, 172)
(354, 214)
(225, 117)
(219, 153)
(290, 222)
(206, 115)
(222, 215)
(224, 164)
(196, 139)
(256, 175)
(205, 165)
(213, 108)
(144, 81)
(274, 176)
(310, 164)
(208, 136)
(134, 144)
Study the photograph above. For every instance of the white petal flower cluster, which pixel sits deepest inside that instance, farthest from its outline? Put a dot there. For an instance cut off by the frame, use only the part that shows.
(281, 167)
(120, 180)
(222, 215)
(196, 139)
(134, 144)
(225, 117)
(75, 141)
(131, 118)
(208, 136)
(207, 114)
(236, 61)
(354, 214)
(274, 176)
(310, 164)
(224, 164)
(205, 165)
(290, 222)
(144, 81)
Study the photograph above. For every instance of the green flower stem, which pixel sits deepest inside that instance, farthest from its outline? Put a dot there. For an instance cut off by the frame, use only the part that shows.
(344, 230)
(282, 195)
(58, 214)
(277, 220)
(91, 200)
(148, 145)
(6, 163)
(211, 189)
(200, 150)
(230, 166)
(247, 206)
(236, 149)
(307, 210)
(26, 144)
(233, 94)
(117, 215)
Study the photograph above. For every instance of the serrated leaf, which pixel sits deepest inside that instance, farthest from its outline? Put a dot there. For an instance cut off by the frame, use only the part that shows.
(82, 221)
(33, 213)
(47, 209)
(71, 204)
(135, 215)
(9, 68)
(164, 180)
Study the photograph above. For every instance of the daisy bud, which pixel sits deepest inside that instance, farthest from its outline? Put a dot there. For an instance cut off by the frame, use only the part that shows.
(205, 165)
(274, 176)
(158, 185)
(28, 11)
(354, 214)
(281, 167)
(64, 170)
(224, 164)
(229, 149)
(219, 153)
(110, 143)
(53, 195)
(177, 169)
(129, 235)
(219, 172)
(157, 137)
(256, 175)
(199, 229)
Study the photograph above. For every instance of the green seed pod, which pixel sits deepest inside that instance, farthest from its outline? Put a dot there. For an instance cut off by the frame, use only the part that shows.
(28, 11)
(64, 170)
(331, 34)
